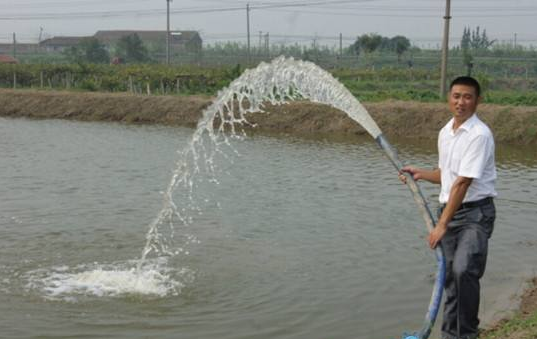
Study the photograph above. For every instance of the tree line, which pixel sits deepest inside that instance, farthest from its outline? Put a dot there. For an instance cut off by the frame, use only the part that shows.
(368, 43)
(129, 49)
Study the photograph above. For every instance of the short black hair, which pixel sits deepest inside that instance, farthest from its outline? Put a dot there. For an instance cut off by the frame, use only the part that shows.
(467, 81)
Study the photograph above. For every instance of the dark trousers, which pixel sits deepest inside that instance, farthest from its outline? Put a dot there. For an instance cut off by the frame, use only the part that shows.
(465, 246)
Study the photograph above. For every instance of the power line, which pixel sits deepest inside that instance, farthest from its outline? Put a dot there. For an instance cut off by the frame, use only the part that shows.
(153, 12)
(398, 15)
(70, 3)
(529, 12)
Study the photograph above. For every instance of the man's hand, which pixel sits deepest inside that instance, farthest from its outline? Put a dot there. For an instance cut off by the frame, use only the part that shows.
(433, 176)
(437, 234)
(413, 171)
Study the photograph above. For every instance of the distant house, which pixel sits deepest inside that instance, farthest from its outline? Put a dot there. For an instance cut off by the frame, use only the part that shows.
(180, 41)
(6, 59)
(60, 43)
(20, 48)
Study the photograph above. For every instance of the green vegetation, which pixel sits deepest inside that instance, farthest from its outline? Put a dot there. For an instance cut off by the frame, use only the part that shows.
(472, 41)
(373, 68)
(137, 78)
(131, 49)
(371, 42)
(89, 50)
(366, 84)
(521, 326)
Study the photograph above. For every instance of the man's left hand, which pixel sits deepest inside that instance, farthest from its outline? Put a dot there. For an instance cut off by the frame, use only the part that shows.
(437, 234)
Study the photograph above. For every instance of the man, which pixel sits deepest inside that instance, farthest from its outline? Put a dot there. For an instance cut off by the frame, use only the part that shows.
(466, 172)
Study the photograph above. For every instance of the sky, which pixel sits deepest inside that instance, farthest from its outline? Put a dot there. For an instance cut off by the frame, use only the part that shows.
(286, 21)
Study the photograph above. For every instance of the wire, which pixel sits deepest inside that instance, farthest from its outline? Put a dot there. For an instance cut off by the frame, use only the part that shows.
(401, 16)
(527, 11)
(153, 12)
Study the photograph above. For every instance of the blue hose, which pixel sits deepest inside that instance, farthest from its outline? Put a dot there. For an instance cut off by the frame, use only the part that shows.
(436, 297)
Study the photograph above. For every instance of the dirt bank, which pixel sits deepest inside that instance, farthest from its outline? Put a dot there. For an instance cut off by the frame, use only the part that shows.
(516, 125)
(523, 323)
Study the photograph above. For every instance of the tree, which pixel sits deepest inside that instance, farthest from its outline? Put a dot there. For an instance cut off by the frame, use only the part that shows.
(467, 58)
(475, 39)
(466, 38)
(94, 51)
(131, 49)
(385, 44)
(480, 41)
(472, 41)
(355, 47)
(369, 42)
(88, 50)
(400, 44)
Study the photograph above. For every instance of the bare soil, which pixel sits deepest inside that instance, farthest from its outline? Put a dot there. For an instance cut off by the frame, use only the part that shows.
(510, 124)
(528, 308)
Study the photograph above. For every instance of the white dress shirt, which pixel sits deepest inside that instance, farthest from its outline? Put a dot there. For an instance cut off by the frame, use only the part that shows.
(467, 152)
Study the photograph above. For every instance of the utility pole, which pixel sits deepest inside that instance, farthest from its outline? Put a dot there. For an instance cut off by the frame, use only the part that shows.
(515, 40)
(168, 32)
(445, 48)
(340, 45)
(14, 46)
(248, 30)
(267, 44)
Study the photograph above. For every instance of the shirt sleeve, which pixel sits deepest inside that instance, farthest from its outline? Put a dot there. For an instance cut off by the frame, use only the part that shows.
(475, 157)
(440, 149)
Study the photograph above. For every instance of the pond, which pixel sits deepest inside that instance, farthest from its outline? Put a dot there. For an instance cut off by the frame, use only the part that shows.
(300, 238)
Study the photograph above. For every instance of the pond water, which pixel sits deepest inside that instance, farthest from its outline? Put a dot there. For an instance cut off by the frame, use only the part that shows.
(300, 238)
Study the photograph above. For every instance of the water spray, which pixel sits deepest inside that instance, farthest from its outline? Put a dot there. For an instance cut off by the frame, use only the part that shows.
(278, 82)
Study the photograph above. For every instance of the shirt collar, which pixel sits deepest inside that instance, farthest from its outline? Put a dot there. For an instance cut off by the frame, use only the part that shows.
(466, 126)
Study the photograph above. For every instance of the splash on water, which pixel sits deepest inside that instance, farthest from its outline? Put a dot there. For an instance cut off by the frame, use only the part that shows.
(282, 80)
(113, 280)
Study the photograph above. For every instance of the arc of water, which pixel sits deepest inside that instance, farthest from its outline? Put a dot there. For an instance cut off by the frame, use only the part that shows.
(277, 82)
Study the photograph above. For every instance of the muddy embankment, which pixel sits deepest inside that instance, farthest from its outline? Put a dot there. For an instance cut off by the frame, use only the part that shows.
(510, 124)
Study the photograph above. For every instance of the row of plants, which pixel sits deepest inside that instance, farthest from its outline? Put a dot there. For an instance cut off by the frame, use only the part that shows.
(117, 78)
(366, 84)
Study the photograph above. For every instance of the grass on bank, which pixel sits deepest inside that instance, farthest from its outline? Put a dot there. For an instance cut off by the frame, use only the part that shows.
(522, 326)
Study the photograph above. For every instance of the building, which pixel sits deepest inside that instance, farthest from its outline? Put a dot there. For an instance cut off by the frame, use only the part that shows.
(180, 41)
(155, 41)
(6, 59)
(20, 48)
(60, 43)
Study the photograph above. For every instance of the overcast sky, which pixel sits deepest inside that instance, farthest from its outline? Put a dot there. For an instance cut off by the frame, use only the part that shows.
(286, 21)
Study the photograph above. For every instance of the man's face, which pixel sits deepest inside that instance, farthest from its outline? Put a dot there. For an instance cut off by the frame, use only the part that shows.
(463, 101)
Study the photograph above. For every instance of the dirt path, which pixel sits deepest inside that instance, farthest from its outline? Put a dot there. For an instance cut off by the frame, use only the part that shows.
(516, 125)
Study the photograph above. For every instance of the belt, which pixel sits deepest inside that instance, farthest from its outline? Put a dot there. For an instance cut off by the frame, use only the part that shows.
(473, 204)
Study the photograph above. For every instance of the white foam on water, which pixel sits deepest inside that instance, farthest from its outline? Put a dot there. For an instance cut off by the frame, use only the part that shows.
(154, 279)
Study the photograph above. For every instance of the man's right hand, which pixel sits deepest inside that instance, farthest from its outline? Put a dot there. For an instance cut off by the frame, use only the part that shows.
(413, 171)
